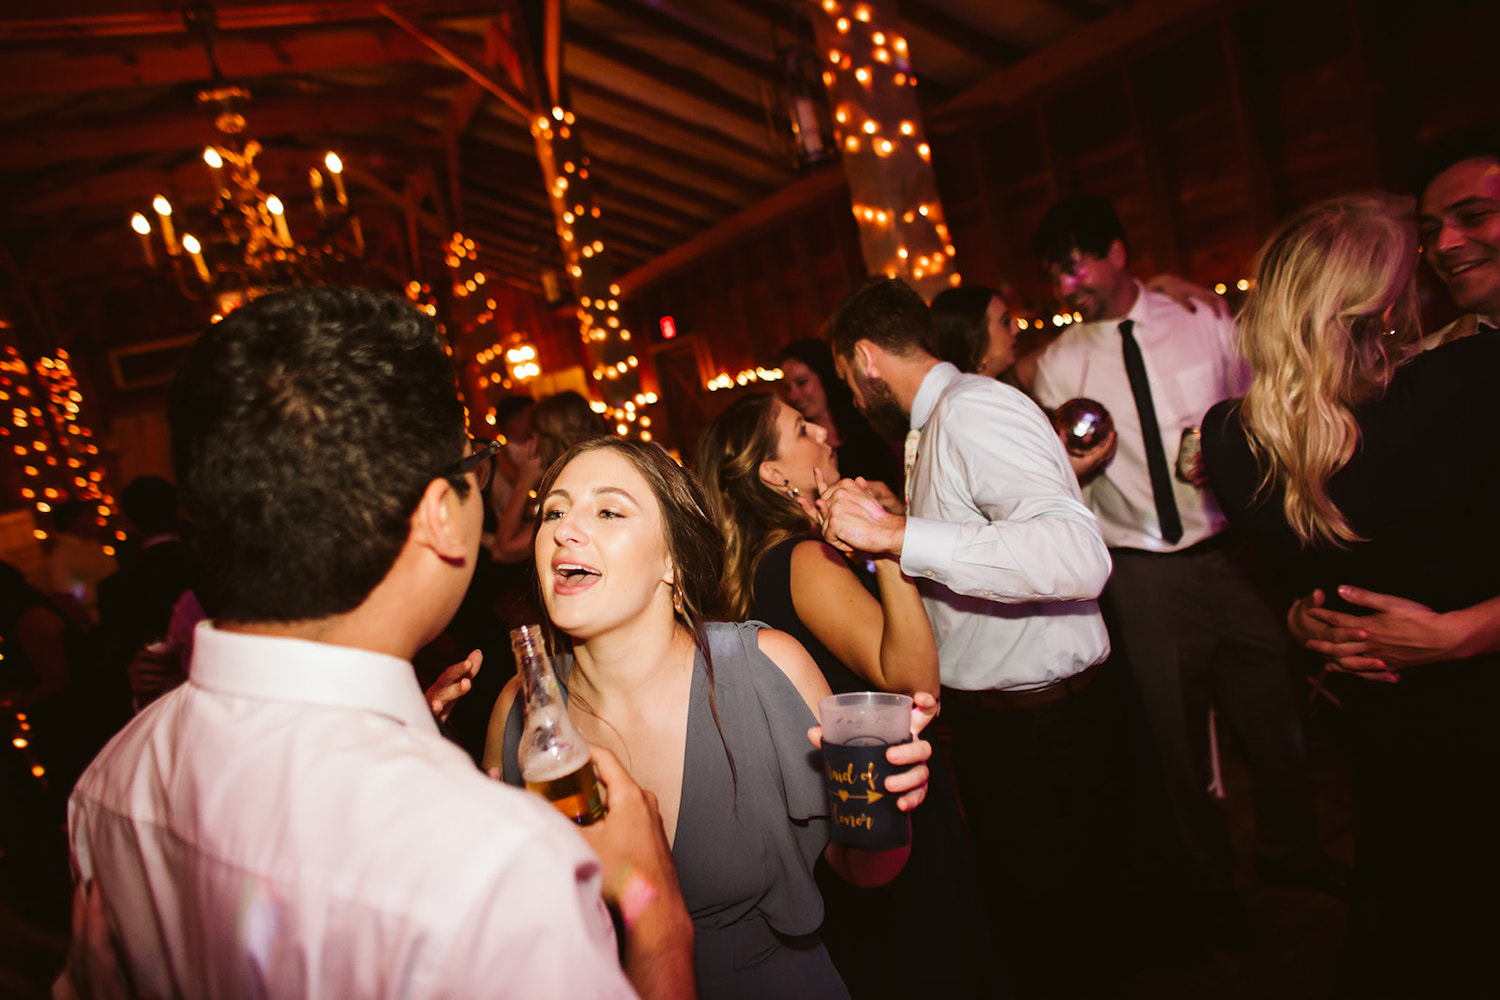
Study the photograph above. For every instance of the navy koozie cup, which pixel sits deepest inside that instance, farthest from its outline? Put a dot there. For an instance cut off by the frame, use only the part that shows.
(857, 730)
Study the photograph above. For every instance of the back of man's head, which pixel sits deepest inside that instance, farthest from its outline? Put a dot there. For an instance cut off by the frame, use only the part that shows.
(151, 504)
(1468, 144)
(885, 311)
(305, 428)
(1086, 224)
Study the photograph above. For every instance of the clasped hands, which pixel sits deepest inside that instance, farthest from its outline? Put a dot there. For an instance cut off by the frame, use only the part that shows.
(1400, 633)
(857, 515)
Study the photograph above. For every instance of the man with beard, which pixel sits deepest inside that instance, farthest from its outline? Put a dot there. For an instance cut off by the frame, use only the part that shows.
(1458, 219)
(1198, 625)
(1010, 562)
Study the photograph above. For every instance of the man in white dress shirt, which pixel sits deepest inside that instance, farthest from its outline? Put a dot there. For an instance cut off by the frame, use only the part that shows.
(290, 822)
(1009, 561)
(1197, 625)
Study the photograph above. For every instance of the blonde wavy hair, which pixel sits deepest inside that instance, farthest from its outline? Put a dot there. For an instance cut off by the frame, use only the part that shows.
(1333, 312)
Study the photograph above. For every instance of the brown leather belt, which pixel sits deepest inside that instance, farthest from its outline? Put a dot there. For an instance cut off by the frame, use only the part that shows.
(994, 700)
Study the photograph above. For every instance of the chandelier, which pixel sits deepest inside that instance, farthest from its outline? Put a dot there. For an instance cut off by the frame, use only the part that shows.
(247, 248)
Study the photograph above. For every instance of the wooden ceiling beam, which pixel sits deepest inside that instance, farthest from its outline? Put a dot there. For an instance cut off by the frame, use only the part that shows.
(667, 74)
(674, 157)
(663, 22)
(190, 130)
(712, 137)
(51, 72)
(1089, 49)
(228, 18)
(664, 189)
(819, 184)
(960, 34)
(462, 56)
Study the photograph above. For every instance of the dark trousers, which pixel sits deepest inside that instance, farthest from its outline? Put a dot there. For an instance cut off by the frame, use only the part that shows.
(1201, 629)
(1044, 793)
(1426, 752)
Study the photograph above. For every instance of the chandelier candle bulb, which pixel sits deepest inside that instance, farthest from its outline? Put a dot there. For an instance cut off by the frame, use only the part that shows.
(215, 167)
(336, 170)
(278, 215)
(195, 251)
(315, 180)
(140, 225)
(164, 213)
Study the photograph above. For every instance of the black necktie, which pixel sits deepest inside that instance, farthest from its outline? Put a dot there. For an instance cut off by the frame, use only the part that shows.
(1156, 457)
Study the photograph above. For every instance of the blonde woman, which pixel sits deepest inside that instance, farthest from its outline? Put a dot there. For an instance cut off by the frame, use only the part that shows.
(1348, 463)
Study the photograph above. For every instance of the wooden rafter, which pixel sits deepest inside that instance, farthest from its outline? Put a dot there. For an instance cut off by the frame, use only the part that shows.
(654, 17)
(190, 130)
(462, 56)
(47, 71)
(666, 73)
(960, 34)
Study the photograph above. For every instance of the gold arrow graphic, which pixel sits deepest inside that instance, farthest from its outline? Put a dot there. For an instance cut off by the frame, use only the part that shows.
(871, 797)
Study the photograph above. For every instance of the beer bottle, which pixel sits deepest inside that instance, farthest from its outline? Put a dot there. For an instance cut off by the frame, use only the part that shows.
(554, 756)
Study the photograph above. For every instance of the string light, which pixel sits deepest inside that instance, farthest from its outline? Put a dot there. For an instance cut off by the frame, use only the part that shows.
(869, 77)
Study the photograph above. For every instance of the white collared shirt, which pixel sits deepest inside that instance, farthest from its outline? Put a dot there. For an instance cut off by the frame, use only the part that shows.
(1192, 362)
(1008, 558)
(290, 823)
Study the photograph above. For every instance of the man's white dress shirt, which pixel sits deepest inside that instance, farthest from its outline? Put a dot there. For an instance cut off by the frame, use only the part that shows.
(1192, 362)
(290, 823)
(1008, 558)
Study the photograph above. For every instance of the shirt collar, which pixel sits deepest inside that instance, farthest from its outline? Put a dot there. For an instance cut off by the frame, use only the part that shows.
(934, 383)
(1139, 311)
(275, 668)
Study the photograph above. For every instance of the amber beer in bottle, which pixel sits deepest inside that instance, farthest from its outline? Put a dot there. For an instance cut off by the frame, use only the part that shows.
(553, 755)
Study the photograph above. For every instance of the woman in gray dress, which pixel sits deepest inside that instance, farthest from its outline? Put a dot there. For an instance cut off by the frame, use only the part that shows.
(713, 718)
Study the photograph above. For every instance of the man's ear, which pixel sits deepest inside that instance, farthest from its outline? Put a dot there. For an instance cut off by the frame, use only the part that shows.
(438, 523)
(867, 358)
(1117, 255)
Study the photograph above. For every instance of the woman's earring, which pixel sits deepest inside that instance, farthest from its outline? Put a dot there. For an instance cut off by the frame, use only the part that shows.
(677, 602)
(791, 490)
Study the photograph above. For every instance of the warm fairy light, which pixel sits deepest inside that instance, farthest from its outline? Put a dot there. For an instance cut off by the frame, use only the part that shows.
(842, 24)
(882, 56)
(334, 164)
(878, 38)
(924, 150)
(907, 128)
(139, 224)
(862, 13)
(190, 243)
(835, 56)
(557, 113)
(162, 206)
(273, 205)
(1243, 285)
(841, 116)
(1221, 288)
(851, 143)
(884, 146)
(862, 75)
(869, 127)
(212, 158)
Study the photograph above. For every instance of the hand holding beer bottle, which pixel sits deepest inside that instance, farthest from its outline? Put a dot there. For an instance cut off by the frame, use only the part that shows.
(553, 755)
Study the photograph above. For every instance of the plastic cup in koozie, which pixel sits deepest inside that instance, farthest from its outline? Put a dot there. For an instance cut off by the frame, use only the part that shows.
(857, 729)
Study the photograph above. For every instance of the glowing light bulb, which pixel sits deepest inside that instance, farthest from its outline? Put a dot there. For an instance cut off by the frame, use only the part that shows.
(212, 158)
(333, 163)
(162, 206)
(139, 224)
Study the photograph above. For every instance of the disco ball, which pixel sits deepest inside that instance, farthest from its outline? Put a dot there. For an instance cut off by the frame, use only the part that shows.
(1083, 424)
